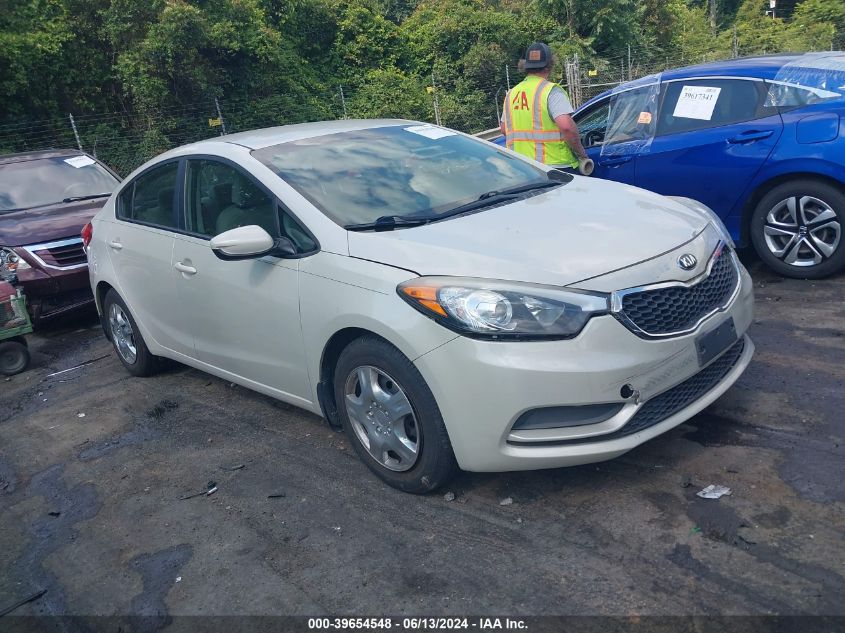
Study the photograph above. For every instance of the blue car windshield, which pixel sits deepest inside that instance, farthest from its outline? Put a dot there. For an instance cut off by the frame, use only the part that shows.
(407, 171)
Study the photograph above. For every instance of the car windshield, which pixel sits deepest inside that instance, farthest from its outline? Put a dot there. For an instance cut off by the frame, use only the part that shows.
(405, 171)
(35, 183)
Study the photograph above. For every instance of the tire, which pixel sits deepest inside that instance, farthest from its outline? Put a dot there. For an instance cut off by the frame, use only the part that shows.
(803, 221)
(14, 357)
(127, 339)
(415, 453)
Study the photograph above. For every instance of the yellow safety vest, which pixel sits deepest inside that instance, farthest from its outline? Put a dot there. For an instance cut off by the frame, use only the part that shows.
(529, 129)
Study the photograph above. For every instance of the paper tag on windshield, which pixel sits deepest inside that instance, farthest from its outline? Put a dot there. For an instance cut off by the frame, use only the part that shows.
(79, 161)
(644, 118)
(697, 102)
(430, 131)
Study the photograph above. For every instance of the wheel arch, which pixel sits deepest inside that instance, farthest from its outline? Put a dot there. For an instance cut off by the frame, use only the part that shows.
(332, 350)
(765, 187)
(100, 293)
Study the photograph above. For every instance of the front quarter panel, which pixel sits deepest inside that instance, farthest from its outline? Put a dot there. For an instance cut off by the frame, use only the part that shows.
(339, 292)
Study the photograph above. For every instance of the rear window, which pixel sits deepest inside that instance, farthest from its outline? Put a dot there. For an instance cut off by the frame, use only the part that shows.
(35, 183)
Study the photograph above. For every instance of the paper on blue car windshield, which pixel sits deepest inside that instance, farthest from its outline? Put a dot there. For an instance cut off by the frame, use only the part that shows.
(812, 78)
(632, 118)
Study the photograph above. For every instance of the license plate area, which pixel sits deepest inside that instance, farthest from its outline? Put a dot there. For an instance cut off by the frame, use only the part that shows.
(709, 345)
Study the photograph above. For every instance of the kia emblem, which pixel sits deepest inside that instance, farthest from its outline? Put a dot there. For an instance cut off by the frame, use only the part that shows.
(687, 261)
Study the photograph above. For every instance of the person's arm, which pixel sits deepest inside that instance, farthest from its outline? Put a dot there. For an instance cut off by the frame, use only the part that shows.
(569, 133)
(560, 109)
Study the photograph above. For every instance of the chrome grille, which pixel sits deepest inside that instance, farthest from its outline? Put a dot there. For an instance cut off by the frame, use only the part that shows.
(678, 308)
(62, 254)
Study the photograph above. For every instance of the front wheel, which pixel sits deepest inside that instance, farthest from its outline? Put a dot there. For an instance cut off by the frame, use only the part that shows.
(14, 357)
(391, 417)
(796, 229)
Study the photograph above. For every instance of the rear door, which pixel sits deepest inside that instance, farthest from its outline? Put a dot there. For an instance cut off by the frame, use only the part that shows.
(712, 137)
(140, 245)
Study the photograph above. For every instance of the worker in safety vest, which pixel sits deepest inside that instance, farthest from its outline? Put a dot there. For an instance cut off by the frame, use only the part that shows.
(536, 117)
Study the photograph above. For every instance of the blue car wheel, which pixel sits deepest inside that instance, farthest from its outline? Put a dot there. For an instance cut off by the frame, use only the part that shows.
(797, 229)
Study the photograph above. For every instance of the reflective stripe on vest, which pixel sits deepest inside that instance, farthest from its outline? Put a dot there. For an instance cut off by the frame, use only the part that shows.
(529, 129)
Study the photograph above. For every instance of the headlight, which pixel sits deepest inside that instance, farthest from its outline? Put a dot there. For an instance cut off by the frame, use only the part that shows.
(485, 308)
(706, 211)
(10, 263)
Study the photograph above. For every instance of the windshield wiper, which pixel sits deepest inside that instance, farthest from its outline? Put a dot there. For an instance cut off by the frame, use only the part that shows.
(388, 223)
(89, 197)
(490, 198)
(519, 189)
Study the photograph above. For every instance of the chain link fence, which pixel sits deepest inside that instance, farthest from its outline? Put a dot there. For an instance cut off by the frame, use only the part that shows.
(124, 140)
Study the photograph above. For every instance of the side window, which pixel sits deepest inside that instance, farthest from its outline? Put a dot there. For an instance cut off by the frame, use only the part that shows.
(221, 198)
(592, 125)
(707, 103)
(149, 199)
(630, 116)
(786, 97)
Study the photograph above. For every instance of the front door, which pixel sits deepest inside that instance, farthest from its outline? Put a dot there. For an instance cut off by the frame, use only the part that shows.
(712, 137)
(243, 315)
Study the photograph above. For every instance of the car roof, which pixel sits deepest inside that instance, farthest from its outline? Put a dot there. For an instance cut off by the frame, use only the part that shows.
(762, 66)
(20, 157)
(258, 139)
(759, 67)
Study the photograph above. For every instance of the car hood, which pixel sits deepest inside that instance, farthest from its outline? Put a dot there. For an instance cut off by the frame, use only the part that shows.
(48, 223)
(574, 232)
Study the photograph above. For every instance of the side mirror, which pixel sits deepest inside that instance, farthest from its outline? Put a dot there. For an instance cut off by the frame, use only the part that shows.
(250, 242)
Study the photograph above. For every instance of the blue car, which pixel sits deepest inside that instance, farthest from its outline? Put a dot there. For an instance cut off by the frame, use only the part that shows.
(759, 140)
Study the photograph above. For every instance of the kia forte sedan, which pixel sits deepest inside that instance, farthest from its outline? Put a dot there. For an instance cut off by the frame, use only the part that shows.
(447, 303)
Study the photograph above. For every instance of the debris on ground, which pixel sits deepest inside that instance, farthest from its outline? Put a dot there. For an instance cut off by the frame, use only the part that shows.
(714, 491)
(232, 468)
(695, 530)
(277, 495)
(26, 600)
(55, 514)
(178, 578)
(87, 362)
(686, 481)
(449, 496)
(211, 488)
(80, 415)
(507, 501)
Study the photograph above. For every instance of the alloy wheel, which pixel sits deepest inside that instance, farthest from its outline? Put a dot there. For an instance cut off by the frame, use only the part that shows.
(382, 418)
(802, 231)
(122, 334)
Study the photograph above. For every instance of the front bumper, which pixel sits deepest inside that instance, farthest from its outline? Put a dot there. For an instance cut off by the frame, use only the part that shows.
(483, 387)
(51, 295)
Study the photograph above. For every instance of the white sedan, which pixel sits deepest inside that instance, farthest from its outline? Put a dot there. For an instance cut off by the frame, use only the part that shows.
(446, 302)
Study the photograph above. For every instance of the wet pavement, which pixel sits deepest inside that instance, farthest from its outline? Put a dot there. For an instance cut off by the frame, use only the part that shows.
(91, 505)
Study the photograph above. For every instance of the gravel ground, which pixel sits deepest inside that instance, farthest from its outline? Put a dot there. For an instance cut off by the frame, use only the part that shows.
(93, 464)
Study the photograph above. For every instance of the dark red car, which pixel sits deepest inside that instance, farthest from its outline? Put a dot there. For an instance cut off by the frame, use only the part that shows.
(45, 200)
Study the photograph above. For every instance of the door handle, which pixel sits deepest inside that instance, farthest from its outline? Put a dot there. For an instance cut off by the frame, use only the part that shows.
(116, 245)
(615, 161)
(184, 268)
(751, 135)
